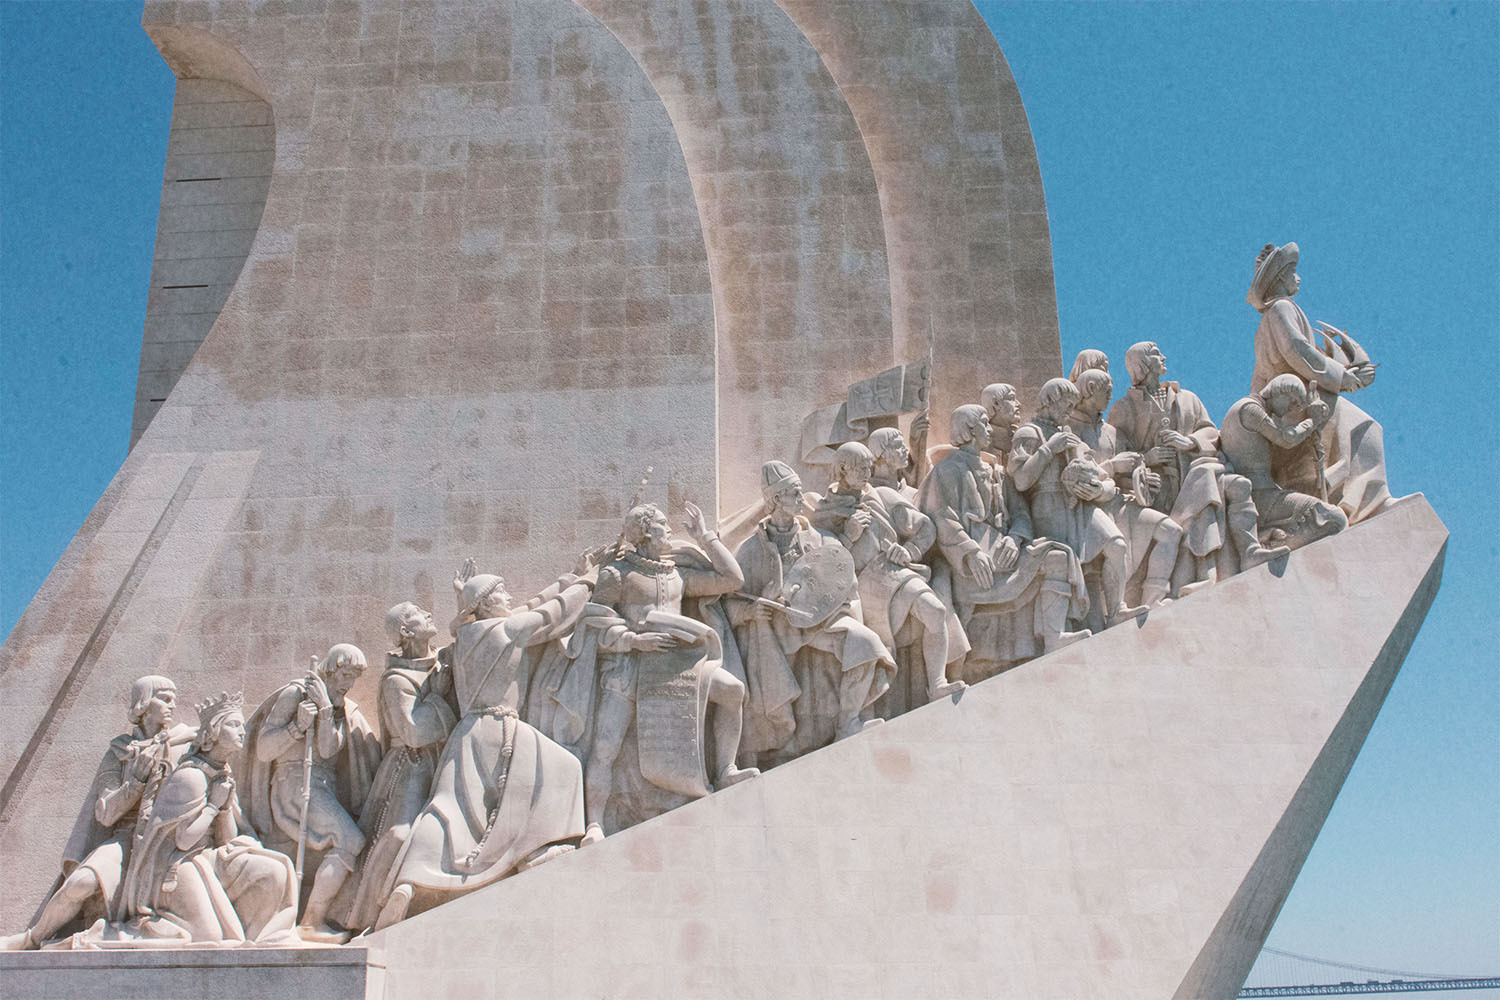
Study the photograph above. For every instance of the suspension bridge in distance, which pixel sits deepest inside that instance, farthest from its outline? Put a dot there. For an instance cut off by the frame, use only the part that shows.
(1280, 973)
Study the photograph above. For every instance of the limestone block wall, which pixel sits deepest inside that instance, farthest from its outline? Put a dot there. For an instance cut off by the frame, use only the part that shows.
(511, 254)
(219, 156)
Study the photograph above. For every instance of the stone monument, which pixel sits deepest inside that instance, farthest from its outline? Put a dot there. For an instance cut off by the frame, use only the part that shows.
(513, 278)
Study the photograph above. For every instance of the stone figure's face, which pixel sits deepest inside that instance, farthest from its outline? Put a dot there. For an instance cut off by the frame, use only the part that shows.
(1284, 404)
(658, 533)
(980, 432)
(419, 627)
(1098, 399)
(896, 454)
(856, 472)
(496, 604)
(342, 678)
(230, 731)
(1057, 410)
(1156, 361)
(1004, 418)
(159, 710)
(1291, 281)
(788, 499)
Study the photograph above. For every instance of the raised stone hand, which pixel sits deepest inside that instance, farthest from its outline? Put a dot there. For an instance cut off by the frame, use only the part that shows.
(856, 525)
(142, 760)
(1062, 441)
(307, 713)
(1168, 438)
(897, 555)
(696, 523)
(317, 692)
(652, 642)
(220, 791)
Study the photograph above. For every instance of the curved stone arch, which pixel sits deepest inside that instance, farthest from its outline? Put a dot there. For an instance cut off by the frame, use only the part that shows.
(790, 210)
(960, 189)
(220, 154)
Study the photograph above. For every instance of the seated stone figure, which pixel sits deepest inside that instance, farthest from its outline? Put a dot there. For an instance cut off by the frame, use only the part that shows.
(1013, 592)
(197, 874)
(1071, 513)
(415, 720)
(658, 674)
(1344, 462)
(809, 682)
(1255, 429)
(1151, 537)
(127, 781)
(504, 797)
(888, 537)
(314, 719)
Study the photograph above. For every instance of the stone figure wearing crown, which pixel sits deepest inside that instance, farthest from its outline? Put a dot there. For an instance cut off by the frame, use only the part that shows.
(197, 874)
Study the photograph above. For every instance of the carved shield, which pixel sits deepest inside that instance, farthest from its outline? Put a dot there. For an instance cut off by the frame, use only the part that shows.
(671, 704)
(819, 583)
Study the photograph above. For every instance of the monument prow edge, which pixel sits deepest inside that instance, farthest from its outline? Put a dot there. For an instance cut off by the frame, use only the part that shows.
(1121, 818)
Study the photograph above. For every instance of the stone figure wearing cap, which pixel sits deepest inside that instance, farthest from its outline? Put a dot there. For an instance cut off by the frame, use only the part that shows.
(809, 682)
(1345, 462)
(1279, 417)
(314, 713)
(1070, 509)
(504, 797)
(125, 784)
(888, 538)
(415, 719)
(197, 874)
(669, 708)
(1014, 593)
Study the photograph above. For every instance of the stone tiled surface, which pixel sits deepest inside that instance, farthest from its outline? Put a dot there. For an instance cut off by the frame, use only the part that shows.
(1093, 824)
(960, 189)
(791, 216)
(204, 974)
(219, 156)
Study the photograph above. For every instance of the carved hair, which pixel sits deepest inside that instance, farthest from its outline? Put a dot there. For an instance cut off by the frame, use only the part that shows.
(849, 455)
(399, 616)
(143, 690)
(995, 392)
(1089, 359)
(1135, 360)
(965, 422)
(883, 440)
(1285, 385)
(637, 520)
(1054, 391)
(211, 715)
(343, 654)
(1089, 380)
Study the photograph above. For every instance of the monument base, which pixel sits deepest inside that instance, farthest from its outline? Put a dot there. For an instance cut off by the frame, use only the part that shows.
(200, 973)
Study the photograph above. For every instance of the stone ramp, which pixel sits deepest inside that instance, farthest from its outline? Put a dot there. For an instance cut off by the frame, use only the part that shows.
(1120, 819)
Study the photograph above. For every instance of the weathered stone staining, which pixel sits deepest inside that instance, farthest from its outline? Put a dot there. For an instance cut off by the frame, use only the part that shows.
(659, 671)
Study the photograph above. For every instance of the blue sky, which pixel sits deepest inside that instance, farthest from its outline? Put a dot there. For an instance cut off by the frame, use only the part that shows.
(1175, 140)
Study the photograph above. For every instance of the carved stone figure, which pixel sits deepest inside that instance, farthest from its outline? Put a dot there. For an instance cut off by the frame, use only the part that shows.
(197, 874)
(659, 671)
(125, 785)
(1151, 537)
(1070, 512)
(312, 759)
(892, 461)
(505, 797)
(1345, 462)
(812, 677)
(1170, 427)
(1013, 592)
(1254, 430)
(888, 537)
(1088, 359)
(415, 719)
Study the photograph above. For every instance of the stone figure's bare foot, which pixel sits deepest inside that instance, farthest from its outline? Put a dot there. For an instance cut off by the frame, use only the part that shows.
(945, 689)
(545, 854)
(1259, 555)
(322, 934)
(1054, 643)
(734, 775)
(592, 835)
(18, 942)
(1125, 613)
